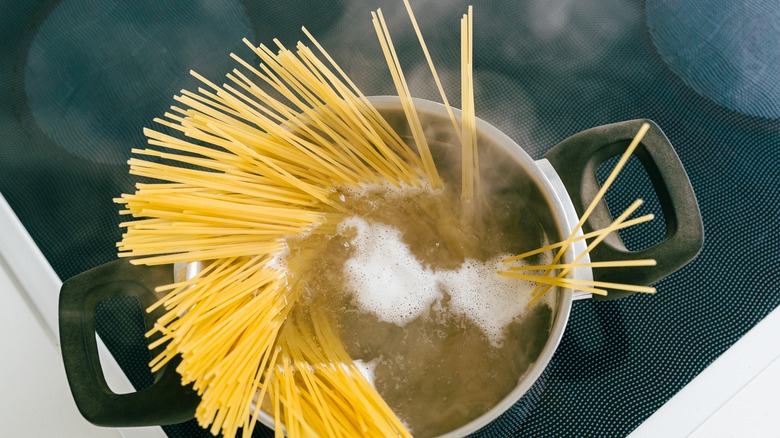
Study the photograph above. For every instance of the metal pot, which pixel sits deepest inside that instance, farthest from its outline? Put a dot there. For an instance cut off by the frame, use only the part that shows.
(562, 185)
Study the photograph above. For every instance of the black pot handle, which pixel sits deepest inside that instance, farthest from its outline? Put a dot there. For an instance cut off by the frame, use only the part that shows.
(166, 401)
(576, 160)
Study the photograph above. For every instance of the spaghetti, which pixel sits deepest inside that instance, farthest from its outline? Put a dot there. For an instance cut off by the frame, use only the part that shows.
(242, 167)
(242, 171)
(545, 282)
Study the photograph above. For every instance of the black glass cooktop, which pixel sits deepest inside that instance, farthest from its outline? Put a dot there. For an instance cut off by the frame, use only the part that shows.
(79, 79)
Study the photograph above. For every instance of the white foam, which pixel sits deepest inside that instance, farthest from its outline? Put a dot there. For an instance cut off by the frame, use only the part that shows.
(389, 282)
(279, 259)
(367, 370)
(385, 277)
(489, 300)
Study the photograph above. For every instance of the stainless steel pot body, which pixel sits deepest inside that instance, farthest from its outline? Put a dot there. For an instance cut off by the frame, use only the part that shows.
(562, 183)
(560, 214)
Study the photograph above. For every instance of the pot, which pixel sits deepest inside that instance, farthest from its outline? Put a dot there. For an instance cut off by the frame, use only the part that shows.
(561, 186)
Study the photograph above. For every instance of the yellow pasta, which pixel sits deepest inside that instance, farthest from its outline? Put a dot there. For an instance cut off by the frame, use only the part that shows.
(540, 290)
(607, 264)
(626, 224)
(470, 158)
(241, 172)
(432, 67)
(239, 168)
(337, 397)
(406, 99)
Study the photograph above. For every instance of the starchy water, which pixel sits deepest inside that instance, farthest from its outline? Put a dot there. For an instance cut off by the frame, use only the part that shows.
(414, 291)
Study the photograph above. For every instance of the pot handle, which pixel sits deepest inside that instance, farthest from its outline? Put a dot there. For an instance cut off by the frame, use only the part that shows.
(166, 401)
(576, 160)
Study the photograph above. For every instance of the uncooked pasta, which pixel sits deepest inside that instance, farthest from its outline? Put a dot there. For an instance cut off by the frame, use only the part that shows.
(240, 173)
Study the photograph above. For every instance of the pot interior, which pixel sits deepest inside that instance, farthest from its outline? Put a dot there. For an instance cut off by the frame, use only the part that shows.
(440, 373)
(484, 381)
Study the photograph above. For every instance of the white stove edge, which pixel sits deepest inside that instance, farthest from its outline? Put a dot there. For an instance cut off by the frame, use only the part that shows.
(736, 395)
(38, 280)
(745, 364)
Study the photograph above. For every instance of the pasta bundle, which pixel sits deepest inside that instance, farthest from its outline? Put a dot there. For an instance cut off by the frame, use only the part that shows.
(239, 168)
(243, 171)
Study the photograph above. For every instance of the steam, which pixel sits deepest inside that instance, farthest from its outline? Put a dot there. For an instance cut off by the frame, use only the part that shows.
(518, 46)
(97, 73)
(93, 98)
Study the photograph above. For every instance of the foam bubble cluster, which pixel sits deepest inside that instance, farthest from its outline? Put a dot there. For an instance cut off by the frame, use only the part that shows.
(389, 282)
(367, 369)
(385, 277)
(489, 300)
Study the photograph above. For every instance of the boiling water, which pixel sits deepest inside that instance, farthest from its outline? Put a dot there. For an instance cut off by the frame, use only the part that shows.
(414, 292)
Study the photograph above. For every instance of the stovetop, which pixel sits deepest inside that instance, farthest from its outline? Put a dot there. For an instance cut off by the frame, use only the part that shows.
(79, 79)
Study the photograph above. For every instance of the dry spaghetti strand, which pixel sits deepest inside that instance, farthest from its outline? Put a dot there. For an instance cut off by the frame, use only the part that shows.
(412, 118)
(540, 290)
(248, 164)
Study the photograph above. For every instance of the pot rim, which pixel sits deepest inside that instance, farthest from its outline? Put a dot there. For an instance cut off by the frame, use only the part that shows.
(564, 213)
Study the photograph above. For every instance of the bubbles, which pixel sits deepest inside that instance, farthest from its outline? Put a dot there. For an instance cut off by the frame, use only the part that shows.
(385, 277)
(388, 281)
(367, 369)
(489, 300)
(416, 295)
